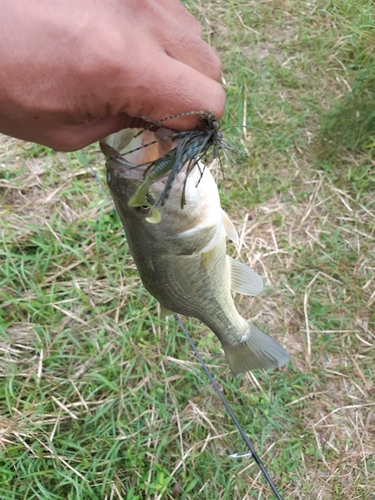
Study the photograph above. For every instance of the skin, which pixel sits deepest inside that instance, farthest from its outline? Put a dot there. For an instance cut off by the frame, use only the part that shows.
(75, 71)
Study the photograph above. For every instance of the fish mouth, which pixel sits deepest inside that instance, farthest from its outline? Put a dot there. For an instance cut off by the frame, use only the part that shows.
(138, 170)
(192, 199)
(133, 150)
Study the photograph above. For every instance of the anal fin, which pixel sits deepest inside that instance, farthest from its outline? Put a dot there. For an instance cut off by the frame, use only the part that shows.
(164, 311)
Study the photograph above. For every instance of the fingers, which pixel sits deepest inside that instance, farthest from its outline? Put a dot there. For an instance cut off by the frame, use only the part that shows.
(178, 36)
(194, 52)
(77, 136)
(169, 70)
(178, 89)
(181, 15)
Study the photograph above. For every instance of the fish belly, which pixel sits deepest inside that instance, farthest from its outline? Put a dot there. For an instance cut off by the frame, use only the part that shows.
(196, 286)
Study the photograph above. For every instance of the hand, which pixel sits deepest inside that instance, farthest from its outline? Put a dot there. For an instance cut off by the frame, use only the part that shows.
(75, 71)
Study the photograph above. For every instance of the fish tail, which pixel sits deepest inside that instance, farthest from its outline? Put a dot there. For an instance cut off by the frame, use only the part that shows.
(257, 350)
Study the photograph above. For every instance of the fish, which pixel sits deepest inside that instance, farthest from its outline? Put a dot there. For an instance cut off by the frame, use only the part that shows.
(182, 259)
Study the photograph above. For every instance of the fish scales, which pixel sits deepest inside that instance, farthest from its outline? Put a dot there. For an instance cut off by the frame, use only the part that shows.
(205, 276)
(182, 259)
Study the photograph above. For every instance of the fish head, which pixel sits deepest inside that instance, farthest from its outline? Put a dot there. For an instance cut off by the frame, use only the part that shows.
(189, 228)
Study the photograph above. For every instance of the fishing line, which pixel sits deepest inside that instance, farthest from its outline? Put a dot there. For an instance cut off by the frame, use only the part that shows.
(251, 128)
(230, 411)
(252, 453)
(97, 178)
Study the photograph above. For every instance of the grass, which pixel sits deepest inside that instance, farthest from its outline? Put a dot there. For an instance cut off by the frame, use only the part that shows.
(99, 398)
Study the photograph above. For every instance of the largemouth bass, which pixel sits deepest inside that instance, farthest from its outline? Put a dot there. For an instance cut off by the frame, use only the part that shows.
(182, 259)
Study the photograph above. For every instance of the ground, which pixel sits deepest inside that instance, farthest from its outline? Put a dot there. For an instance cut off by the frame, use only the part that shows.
(101, 399)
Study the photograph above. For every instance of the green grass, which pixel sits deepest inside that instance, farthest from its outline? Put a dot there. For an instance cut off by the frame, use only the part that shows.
(101, 399)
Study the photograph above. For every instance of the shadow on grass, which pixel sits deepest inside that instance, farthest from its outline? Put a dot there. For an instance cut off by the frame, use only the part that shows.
(350, 124)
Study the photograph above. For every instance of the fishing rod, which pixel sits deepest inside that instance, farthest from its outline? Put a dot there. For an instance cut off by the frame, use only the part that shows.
(252, 452)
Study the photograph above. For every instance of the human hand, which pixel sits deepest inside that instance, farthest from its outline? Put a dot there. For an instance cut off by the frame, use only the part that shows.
(73, 72)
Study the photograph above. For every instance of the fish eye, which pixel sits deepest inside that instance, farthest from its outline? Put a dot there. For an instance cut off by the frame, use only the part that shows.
(144, 209)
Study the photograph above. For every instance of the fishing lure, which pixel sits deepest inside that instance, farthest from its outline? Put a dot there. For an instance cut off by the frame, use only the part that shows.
(209, 135)
(191, 148)
(154, 171)
(171, 162)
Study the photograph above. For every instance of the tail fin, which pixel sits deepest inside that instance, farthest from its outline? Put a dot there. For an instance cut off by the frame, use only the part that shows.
(257, 350)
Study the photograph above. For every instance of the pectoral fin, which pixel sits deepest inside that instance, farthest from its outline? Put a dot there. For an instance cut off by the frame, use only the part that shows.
(243, 279)
(230, 230)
